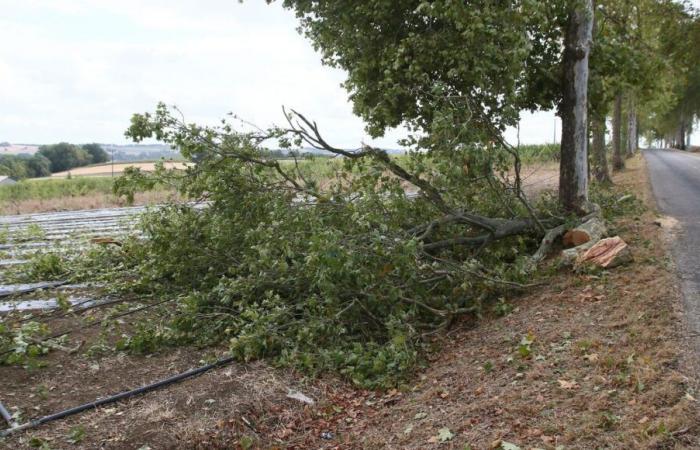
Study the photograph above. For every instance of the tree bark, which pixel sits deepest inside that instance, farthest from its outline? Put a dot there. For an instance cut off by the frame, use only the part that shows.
(573, 176)
(618, 160)
(600, 160)
(682, 134)
(631, 127)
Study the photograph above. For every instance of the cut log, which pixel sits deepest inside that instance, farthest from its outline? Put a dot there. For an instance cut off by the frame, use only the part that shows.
(607, 253)
(590, 231)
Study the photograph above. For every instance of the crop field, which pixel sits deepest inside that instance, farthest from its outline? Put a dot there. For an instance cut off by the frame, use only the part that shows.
(117, 169)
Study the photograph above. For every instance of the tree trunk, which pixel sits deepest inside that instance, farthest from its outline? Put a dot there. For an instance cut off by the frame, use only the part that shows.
(618, 160)
(681, 134)
(631, 127)
(600, 160)
(573, 176)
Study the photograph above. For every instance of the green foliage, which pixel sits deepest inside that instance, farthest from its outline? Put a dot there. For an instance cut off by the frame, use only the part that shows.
(40, 443)
(313, 267)
(33, 232)
(65, 156)
(133, 181)
(396, 52)
(21, 342)
(24, 166)
(46, 266)
(96, 152)
(539, 153)
(76, 435)
(502, 307)
(525, 346)
(615, 203)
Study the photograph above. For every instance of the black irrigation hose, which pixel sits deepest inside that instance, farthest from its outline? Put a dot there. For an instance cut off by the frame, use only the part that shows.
(115, 398)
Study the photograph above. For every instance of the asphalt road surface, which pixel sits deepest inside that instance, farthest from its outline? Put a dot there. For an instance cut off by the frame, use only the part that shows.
(675, 179)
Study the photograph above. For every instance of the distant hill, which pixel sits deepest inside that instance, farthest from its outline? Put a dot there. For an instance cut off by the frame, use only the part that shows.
(141, 152)
(15, 149)
(138, 152)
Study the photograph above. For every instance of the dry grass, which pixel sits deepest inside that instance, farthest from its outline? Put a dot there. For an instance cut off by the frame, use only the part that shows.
(106, 169)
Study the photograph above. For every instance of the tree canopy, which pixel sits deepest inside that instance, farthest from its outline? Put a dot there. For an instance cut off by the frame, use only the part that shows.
(65, 156)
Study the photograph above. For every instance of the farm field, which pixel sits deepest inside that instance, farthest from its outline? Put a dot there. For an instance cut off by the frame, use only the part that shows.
(106, 169)
(17, 149)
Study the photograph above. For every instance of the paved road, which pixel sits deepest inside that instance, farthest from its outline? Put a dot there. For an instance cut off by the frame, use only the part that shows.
(675, 179)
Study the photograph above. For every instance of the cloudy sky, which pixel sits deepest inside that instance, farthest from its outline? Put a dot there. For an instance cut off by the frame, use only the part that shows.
(75, 70)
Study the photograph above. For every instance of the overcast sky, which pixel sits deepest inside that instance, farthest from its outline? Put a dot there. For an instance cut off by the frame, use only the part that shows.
(75, 70)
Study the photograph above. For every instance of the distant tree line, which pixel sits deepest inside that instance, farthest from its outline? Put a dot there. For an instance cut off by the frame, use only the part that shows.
(121, 156)
(51, 159)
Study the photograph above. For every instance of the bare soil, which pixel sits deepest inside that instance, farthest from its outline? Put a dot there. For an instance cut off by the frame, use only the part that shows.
(607, 368)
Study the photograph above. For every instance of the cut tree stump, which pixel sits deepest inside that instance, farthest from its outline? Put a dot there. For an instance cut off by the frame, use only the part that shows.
(607, 253)
(590, 231)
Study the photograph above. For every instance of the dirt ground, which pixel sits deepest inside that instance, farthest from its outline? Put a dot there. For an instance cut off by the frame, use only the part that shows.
(586, 361)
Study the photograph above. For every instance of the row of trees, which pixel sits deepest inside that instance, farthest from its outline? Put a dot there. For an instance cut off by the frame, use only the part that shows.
(51, 159)
(502, 58)
(24, 166)
(66, 156)
(645, 78)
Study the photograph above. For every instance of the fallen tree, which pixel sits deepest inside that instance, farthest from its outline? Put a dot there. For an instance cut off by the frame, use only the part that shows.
(349, 265)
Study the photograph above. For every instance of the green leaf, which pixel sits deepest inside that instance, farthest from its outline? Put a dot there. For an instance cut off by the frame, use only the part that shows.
(445, 435)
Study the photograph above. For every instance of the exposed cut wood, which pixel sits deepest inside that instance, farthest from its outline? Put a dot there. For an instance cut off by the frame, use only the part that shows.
(607, 253)
(592, 230)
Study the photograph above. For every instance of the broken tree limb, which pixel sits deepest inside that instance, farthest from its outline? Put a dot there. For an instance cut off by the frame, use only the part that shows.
(546, 245)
